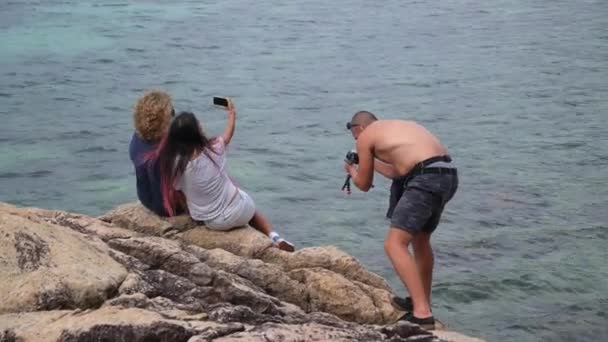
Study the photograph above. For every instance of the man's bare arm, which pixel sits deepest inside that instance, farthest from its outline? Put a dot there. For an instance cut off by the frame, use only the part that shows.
(363, 176)
(385, 169)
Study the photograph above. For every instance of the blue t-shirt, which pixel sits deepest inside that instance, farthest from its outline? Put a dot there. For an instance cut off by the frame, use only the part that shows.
(149, 190)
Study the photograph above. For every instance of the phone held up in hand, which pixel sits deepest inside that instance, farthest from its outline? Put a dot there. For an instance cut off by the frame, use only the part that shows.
(220, 101)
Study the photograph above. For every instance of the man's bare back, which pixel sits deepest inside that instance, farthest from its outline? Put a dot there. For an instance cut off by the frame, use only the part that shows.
(402, 143)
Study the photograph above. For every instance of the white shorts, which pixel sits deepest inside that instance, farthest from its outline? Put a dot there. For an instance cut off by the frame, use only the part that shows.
(237, 214)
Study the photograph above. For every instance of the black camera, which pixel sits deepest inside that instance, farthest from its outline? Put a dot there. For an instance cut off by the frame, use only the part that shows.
(352, 157)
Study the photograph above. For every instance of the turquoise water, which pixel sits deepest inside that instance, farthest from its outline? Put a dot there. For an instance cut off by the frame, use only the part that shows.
(517, 90)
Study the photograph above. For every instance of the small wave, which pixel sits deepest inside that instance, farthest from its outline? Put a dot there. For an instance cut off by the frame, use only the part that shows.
(113, 108)
(39, 174)
(523, 327)
(254, 150)
(538, 95)
(277, 164)
(104, 61)
(464, 293)
(311, 108)
(571, 103)
(97, 177)
(595, 232)
(440, 82)
(33, 174)
(415, 84)
(78, 135)
(113, 36)
(422, 65)
(569, 145)
(64, 99)
(96, 149)
(9, 175)
(25, 84)
(302, 21)
(292, 199)
(262, 150)
(314, 125)
(112, 5)
(5, 95)
(302, 177)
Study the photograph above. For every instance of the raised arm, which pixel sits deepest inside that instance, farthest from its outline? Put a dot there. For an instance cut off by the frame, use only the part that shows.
(385, 169)
(229, 130)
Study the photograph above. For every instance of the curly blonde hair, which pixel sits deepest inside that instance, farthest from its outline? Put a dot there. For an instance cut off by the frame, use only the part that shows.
(152, 115)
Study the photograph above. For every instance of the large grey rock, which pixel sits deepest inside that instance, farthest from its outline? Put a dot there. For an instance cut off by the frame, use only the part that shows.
(47, 267)
(329, 258)
(319, 332)
(156, 285)
(314, 279)
(136, 217)
(312, 289)
(192, 280)
(109, 323)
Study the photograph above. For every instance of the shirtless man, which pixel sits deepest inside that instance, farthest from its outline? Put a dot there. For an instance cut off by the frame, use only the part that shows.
(424, 180)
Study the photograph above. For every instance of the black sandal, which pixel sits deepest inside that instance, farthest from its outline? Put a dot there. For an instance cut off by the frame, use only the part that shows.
(403, 304)
(427, 323)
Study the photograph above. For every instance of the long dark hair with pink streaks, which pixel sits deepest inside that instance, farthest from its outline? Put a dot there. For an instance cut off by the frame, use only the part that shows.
(184, 140)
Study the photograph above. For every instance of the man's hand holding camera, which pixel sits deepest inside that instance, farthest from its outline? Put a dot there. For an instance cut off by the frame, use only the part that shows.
(359, 164)
(352, 159)
(350, 169)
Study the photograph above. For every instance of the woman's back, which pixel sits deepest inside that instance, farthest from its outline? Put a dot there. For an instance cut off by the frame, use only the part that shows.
(206, 184)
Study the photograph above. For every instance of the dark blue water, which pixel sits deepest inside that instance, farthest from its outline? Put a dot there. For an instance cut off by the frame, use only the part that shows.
(517, 90)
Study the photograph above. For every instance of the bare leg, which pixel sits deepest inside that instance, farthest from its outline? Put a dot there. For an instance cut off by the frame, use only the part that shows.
(423, 253)
(396, 247)
(261, 223)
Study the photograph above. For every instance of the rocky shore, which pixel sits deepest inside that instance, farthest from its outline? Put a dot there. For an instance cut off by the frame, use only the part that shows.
(131, 276)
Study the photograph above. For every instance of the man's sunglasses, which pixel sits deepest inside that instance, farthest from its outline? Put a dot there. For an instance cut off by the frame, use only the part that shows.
(350, 125)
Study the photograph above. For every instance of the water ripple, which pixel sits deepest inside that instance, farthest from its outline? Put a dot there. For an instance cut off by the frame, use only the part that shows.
(26, 175)
(96, 149)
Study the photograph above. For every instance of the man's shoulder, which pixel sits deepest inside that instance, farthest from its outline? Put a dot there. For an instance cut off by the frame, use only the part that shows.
(379, 127)
(395, 121)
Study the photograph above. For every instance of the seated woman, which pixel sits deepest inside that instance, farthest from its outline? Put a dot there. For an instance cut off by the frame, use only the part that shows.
(152, 117)
(195, 165)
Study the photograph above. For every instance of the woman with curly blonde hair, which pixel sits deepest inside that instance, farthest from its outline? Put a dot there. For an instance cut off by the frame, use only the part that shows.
(152, 117)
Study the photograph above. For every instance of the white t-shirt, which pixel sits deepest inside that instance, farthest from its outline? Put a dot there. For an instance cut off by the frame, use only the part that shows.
(206, 185)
